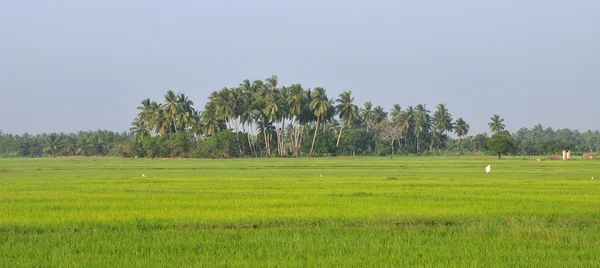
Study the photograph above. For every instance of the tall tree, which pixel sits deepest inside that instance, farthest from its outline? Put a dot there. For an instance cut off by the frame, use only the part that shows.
(185, 111)
(497, 124)
(171, 107)
(319, 106)
(396, 113)
(461, 128)
(139, 129)
(442, 120)
(368, 115)
(347, 111)
(390, 132)
(296, 101)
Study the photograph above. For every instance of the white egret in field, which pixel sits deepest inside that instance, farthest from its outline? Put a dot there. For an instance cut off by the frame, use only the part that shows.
(143, 175)
(488, 169)
(321, 175)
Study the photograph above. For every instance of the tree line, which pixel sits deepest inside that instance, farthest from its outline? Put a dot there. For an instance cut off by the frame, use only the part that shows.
(263, 119)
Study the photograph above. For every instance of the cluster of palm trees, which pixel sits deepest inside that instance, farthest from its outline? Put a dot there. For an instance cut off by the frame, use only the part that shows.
(174, 115)
(279, 117)
(88, 143)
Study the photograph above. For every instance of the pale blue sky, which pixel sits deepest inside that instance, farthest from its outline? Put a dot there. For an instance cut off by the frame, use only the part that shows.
(70, 65)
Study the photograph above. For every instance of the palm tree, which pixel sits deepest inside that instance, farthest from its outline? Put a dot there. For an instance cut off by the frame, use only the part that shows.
(406, 122)
(442, 121)
(461, 128)
(247, 115)
(196, 123)
(368, 115)
(380, 115)
(272, 112)
(211, 123)
(162, 122)
(396, 113)
(139, 129)
(422, 123)
(224, 105)
(420, 129)
(148, 111)
(70, 144)
(319, 106)
(296, 101)
(347, 110)
(171, 107)
(272, 83)
(497, 125)
(185, 111)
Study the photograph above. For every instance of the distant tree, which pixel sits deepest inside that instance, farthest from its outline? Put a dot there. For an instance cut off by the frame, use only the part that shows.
(461, 128)
(390, 132)
(497, 124)
(347, 111)
(442, 121)
(319, 107)
(500, 144)
(368, 115)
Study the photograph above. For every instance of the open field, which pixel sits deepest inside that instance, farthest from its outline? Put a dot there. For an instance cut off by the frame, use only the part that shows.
(343, 212)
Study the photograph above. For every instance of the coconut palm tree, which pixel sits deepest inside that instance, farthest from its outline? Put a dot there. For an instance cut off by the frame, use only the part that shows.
(211, 123)
(461, 128)
(224, 105)
(272, 111)
(368, 115)
(185, 111)
(139, 129)
(171, 108)
(52, 144)
(380, 115)
(148, 112)
(406, 122)
(497, 124)
(272, 83)
(295, 102)
(396, 113)
(421, 123)
(421, 128)
(319, 107)
(347, 111)
(247, 115)
(442, 120)
(162, 122)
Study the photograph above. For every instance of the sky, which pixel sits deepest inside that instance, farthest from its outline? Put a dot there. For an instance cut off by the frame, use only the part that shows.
(70, 65)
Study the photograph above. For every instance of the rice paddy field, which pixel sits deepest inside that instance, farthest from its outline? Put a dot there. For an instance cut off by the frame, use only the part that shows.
(337, 212)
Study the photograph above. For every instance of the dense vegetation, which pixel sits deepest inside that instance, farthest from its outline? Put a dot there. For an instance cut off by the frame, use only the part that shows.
(335, 212)
(262, 118)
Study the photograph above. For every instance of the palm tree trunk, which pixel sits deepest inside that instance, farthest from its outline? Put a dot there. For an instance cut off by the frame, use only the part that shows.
(459, 141)
(314, 137)
(339, 136)
(249, 143)
(278, 133)
(252, 146)
(301, 134)
(283, 148)
(417, 144)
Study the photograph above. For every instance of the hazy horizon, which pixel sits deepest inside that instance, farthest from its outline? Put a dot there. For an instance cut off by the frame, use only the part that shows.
(71, 65)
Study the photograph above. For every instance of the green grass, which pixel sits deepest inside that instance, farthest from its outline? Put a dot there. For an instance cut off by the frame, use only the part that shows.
(341, 212)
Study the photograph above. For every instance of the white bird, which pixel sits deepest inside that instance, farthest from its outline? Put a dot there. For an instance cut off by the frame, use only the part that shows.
(488, 169)
(592, 178)
(321, 175)
(143, 175)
